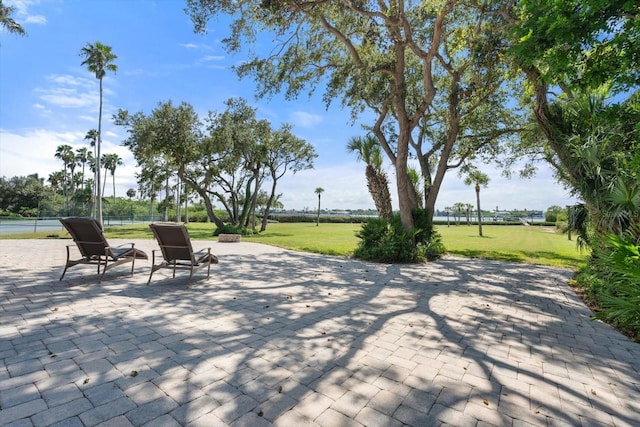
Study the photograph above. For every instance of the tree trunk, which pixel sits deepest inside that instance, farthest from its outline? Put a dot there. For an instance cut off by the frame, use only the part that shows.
(385, 196)
(267, 209)
(104, 183)
(379, 190)
(254, 201)
(204, 195)
(151, 208)
(178, 204)
(186, 203)
(166, 200)
(479, 211)
(245, 214)
(406, 193)
(98, 143)
(453, 130)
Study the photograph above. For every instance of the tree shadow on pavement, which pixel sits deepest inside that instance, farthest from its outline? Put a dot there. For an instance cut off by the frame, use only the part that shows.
(291, 338)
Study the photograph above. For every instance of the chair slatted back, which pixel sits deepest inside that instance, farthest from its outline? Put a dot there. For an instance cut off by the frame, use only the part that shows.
(87, 235)
(174, 241)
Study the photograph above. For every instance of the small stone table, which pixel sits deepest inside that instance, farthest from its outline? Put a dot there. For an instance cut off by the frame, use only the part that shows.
(229, 238)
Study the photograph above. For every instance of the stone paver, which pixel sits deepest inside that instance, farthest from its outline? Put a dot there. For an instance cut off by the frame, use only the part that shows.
(281, 338)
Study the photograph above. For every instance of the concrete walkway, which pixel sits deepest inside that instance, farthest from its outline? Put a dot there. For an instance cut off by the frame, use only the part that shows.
(294, 339)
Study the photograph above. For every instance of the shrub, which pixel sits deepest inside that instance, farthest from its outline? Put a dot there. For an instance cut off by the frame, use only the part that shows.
(233, 229)
(611, 281)
(386, 241)
(619, 266)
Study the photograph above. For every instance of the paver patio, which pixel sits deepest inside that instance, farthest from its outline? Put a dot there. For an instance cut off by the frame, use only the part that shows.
(284, 338)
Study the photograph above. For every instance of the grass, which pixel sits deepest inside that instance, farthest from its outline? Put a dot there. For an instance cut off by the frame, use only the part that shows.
(533, 245)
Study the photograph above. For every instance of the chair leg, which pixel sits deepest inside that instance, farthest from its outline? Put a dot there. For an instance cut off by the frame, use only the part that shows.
(66, 264)
(208, 262)
(104, 269)
(133, 263)
(153, 264)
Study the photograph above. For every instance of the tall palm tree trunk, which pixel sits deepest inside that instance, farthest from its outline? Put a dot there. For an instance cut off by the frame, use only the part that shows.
(98, 144)
(479, 211)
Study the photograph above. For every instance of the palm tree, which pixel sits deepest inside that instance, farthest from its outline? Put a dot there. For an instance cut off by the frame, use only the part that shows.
(479, 179)
(55, 178)
(65, 153)
(368, 150)
(459, 208)
(98, 58)
(110, 163)
(9, 23)
(448, 209)
(469, 207)
(92, 137)
(318, 191)
(83, 155)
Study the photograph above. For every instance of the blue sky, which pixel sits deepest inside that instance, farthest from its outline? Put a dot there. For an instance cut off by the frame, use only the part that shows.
(47, 99)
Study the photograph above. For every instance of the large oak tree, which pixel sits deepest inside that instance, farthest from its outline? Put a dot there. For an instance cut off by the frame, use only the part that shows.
(384, 57)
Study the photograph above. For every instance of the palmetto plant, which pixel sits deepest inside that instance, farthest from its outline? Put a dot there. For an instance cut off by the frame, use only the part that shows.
(595, 155)
(599, 153)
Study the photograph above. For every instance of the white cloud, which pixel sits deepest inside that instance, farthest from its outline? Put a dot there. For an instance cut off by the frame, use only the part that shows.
(22, 12)
(35, 19)
(344, 188)
(67, 91)
(69, 80)
(303, 119)
(33, 151)
(66, 98)
(212, 58)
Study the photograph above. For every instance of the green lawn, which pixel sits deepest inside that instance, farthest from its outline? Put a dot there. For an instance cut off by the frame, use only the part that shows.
(534, 245)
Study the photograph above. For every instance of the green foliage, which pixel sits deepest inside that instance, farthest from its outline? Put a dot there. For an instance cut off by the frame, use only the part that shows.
(7, 23)
(441, 62)
(585, 42)
(612, 281)
(555, 213)
(225, 161)
(233, 229)
(386, 241)
(21, 194)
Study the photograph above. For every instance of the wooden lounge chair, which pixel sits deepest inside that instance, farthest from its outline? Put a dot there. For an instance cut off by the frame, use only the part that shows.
(177, 252)
(94, 248)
